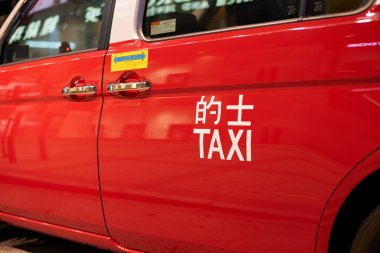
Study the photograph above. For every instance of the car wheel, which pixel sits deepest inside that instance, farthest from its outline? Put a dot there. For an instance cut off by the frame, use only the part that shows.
(367, 239)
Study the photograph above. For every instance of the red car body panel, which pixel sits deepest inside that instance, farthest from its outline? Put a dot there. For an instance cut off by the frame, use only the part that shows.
(48, 159)
(312, 94)
(315, 90)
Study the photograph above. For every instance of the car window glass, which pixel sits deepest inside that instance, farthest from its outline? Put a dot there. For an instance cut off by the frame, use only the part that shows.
(174, 17)
(323, 7)
(54, 27)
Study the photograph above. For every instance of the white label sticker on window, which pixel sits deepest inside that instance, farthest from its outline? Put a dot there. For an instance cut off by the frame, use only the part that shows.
(160, 27)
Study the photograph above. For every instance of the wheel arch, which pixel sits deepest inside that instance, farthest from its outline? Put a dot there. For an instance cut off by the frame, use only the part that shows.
(347, 202)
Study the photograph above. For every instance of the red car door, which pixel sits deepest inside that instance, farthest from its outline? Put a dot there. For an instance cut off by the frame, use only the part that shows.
(222, 134)
(48, 159)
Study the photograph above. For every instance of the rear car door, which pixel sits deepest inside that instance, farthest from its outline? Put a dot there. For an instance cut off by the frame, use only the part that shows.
(52, 61)
(227, 125)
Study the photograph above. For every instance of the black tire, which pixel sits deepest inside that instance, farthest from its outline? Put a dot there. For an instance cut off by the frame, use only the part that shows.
(367, 239)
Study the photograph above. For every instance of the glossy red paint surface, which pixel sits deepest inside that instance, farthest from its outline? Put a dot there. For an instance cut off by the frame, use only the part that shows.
(315, 90)
(48, 159)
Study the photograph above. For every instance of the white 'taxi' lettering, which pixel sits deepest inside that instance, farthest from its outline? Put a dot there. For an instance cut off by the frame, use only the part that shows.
(201, 133)
(218, 148)
(235, 144)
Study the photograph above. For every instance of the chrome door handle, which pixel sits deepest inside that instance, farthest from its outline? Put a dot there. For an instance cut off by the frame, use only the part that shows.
(87, 90)
(140, 86)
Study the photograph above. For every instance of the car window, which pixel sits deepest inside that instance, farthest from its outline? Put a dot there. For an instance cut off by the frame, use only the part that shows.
(53, 27)
(174, 17)
(323, 7)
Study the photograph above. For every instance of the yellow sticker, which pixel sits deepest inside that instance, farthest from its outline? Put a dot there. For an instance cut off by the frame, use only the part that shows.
(129, 61)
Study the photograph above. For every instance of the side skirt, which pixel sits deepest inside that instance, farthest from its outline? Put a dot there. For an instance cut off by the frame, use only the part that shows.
(100, 241)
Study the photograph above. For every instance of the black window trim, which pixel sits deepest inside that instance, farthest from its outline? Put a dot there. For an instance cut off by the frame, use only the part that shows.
(104, 36)
(105, 30)
(300, 18)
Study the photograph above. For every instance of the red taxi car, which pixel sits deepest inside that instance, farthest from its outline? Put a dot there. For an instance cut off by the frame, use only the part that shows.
(193, 125)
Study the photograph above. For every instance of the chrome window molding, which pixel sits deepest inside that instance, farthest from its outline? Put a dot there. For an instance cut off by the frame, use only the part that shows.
(10, 17)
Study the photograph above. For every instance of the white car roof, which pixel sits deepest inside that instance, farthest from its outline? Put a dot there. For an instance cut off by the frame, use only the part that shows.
(125, 17)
